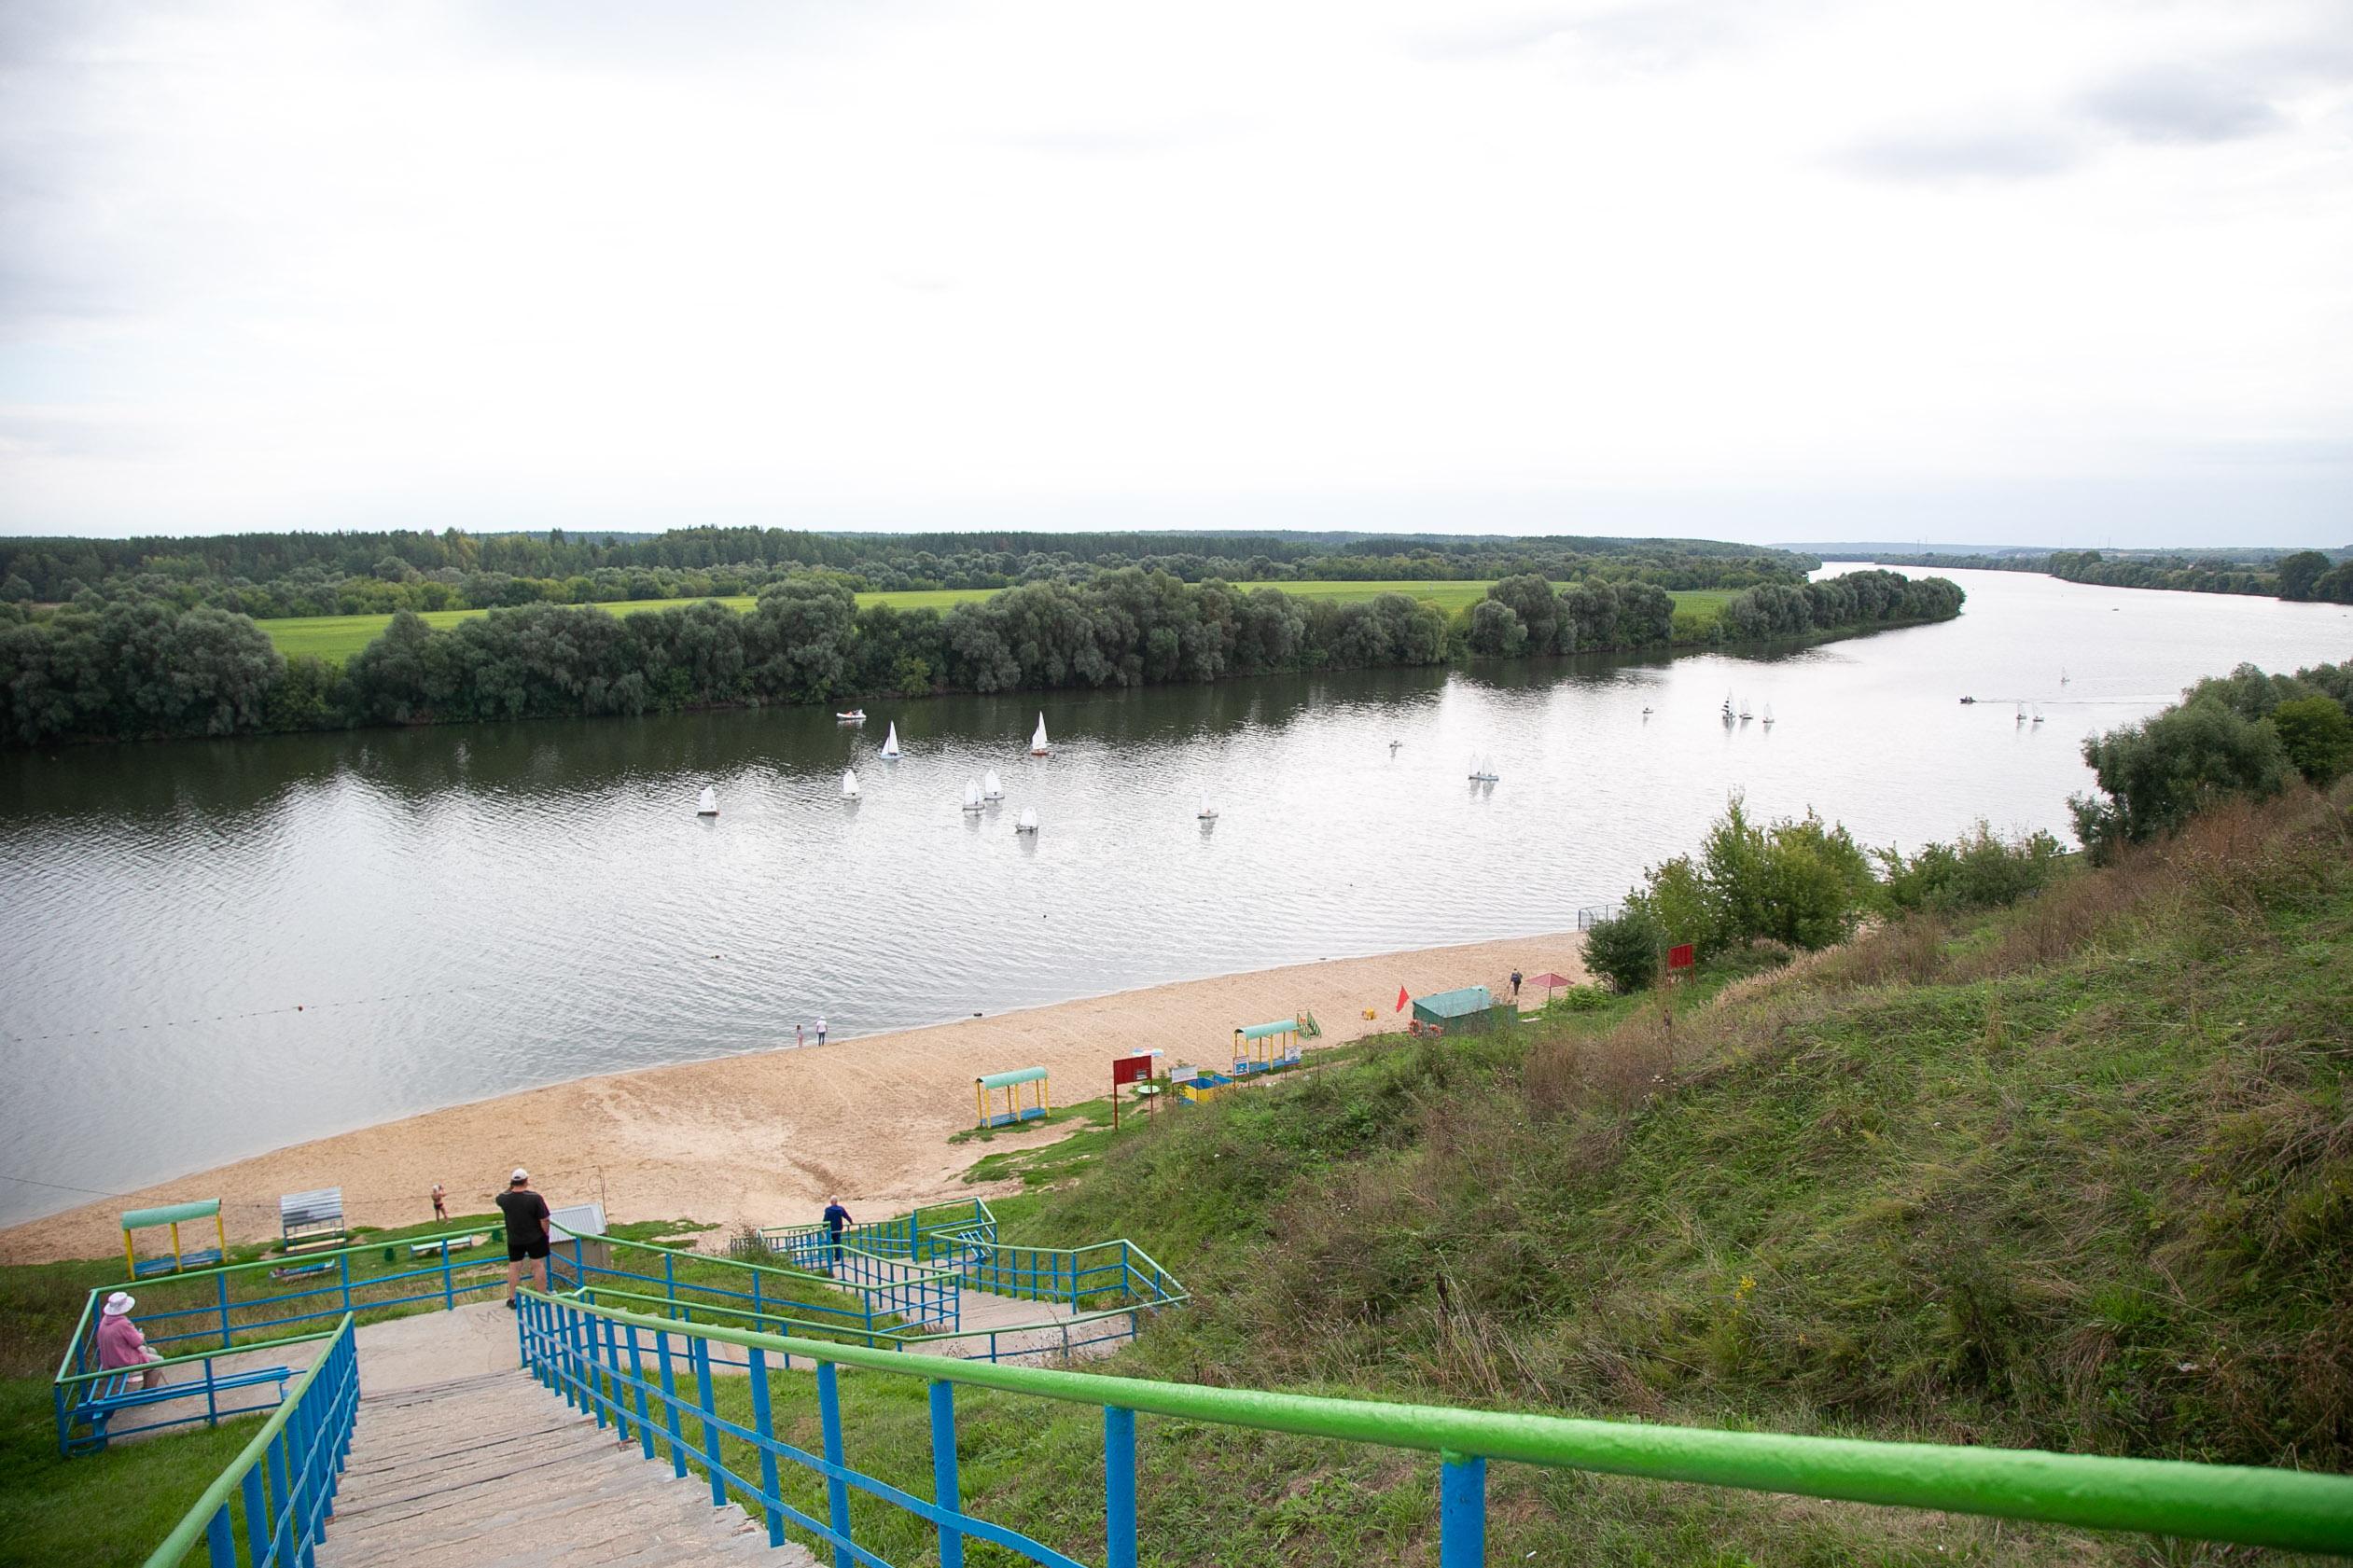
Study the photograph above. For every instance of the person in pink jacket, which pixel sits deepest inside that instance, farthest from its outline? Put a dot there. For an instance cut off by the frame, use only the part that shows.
(121, 1344)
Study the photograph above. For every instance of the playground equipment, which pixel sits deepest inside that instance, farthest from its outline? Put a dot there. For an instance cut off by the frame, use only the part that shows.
(1471, 1007)
(1010, 1085)
(1269, 1047)
(172, 1214)
(1197, 1087)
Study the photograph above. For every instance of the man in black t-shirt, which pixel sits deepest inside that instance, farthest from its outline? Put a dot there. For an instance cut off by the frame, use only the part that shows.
(527, 1230)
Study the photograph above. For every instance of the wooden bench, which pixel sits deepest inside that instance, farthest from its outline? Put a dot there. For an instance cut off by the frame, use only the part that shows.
(121, 1392)
(444, 1247)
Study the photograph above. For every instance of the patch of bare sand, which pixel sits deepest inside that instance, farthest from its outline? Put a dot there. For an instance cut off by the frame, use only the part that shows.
(765, 1138)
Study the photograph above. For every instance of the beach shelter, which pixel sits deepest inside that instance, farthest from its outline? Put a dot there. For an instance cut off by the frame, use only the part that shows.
(1025, 1096)
(1548, 980)
(175, 1215)
(1470, 1007)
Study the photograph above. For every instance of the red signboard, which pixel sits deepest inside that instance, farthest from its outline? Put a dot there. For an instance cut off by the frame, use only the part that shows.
(1131, 1069)
(1679, 957)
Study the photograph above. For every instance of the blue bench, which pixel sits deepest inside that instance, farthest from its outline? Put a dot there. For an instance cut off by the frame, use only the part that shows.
(121, 1392)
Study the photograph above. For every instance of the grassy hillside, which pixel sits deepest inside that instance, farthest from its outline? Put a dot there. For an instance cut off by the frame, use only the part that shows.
(2077, 1175)
(338, 637)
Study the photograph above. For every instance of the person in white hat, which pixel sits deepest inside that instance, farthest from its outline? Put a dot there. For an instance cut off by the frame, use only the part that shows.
(121, 1344)
(528, 1231)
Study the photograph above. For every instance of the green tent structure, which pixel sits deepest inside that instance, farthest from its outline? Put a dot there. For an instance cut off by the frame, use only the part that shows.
(1470, 1007)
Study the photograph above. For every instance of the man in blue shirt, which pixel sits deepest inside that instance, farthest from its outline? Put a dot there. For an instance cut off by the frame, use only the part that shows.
(836, 1217)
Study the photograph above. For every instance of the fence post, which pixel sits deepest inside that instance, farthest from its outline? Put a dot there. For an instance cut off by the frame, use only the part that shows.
(837, 1491)
(943, 1471)
(637, 1380)
(1462, 1511)
(612, 1379)
(1119, 1487)
(770, 1490)
(449, 1280)
(758, 1316)
(344, 1258)
(669, 1276)
(257, 1521)
(710, 1429)
(670, 1404)
(221, 1280)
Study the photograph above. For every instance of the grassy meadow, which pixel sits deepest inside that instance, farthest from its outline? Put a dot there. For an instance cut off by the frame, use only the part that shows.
(336, 638)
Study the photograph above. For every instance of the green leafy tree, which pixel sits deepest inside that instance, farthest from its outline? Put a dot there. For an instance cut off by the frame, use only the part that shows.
(1627, 948)
(2299, 572)
(2156, 775)
(1496, 629)
(2317, 735)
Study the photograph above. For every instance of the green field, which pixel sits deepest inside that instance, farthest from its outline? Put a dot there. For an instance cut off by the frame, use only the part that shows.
(338, 637)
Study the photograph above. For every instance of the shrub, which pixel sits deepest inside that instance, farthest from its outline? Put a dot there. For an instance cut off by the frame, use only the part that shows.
(1978, 871)
(1627, 948)
(2317, 735)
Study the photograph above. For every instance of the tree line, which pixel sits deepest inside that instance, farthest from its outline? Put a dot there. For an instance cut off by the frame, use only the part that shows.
(2303, 577)
(145, 668)
(269, 575)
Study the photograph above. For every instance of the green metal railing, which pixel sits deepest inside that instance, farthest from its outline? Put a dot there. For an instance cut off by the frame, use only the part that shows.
(599, 1357)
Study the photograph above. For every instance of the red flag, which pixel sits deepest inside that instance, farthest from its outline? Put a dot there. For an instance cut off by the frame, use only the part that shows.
(1401, 1000)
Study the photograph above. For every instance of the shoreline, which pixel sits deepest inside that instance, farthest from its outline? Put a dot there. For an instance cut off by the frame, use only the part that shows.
(764, 1137)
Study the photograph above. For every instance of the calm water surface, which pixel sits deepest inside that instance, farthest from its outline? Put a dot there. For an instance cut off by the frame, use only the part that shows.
(460, 912)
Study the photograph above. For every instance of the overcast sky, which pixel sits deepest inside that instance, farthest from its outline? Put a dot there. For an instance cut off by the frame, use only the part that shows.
(1986, 271)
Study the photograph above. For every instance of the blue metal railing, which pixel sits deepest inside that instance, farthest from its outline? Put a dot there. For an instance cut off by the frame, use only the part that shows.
(280, 1488)
(627, 1371)
(884, 1295)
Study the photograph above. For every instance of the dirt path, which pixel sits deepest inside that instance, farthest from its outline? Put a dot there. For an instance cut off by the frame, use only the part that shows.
(766, 1137)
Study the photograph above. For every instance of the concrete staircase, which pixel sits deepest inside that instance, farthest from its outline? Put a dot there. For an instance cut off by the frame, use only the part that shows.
(495, 1470)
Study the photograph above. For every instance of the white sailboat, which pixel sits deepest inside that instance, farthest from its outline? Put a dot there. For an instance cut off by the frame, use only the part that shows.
(972, 795)
(1038, 743)
(1029, 821)
(1207, 811)
(992, 788)
(1744, 710)
(890, 744)
(1483, 770)
(2022, 715)
(849, 783)
(1768, 715)
(2063, 674)
(709, 805)
(2038, 716)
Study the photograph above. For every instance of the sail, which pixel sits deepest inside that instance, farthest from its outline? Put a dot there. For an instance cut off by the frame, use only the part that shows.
(890, 742)
(971, 794)
(849, 783)
(1037, 741)
(992, 788)
(1029, 820)
(709, 805)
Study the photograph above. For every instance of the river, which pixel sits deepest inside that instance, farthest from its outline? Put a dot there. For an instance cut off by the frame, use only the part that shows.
(213, 948)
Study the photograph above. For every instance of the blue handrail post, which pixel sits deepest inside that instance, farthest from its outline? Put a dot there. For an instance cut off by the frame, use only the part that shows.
(943, 1471)
(637, 1380)
(837, 1491)
(257, 1521)
(219, 1545)
(221, 1278)
(344, 1260)
(669, 1275)
(1119, 1487)
(710, 1425)
(611, 1382)
(1462, 1511)
(281, 1484)
(448, 1279)
(757, 1313)
(670, 1404)
(770, 1490)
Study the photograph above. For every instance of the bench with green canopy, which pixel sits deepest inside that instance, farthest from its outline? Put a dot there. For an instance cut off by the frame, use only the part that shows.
(173, 1216)
(1023, 1103)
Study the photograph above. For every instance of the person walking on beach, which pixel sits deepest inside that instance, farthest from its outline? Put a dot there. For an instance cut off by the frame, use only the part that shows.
(1515, 985)
(836, 1217)
(800, 1036)
(821, 1029)
(528, 1231)
(120, 1343)
(440, 1201)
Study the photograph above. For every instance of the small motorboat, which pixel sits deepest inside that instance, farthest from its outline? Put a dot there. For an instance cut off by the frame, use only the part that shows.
(709, 805)
(1646, 710)
(855, 715)
(1966, 700)
(2038, 716)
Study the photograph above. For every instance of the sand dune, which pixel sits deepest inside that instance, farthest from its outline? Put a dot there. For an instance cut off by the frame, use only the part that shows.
(764, 1138)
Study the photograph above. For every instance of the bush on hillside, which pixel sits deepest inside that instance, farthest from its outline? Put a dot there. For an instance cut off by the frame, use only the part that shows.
(1627, 948)
(2156, 775)
(2318, 737)
(1976, 871)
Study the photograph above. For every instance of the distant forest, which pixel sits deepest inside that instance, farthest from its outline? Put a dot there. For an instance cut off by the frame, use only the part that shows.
(2302, 575)
(269, 575)
(142, 667)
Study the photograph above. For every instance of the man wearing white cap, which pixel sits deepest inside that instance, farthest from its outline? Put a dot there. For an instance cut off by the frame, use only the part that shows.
(527, 1230)
(121, 1344)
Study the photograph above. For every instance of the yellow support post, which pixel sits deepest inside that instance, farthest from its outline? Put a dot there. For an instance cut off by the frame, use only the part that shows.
(129, 1259)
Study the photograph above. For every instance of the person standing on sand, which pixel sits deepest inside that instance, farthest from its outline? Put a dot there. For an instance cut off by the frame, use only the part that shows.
(528, 1231)
(440, 1201)
(798, 1036)
(1515, 985)
(119, 1342)
(836, 1217)
(821, 1029)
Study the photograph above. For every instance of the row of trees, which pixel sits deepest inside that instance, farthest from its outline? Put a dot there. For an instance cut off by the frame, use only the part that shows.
(275, 575)
(2244, 733)
(142, 668)
(2302, 576)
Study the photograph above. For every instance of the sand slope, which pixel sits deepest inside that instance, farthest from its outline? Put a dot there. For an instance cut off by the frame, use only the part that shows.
(763, 1138)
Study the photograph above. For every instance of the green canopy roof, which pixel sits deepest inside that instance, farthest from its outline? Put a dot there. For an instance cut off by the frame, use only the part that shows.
(1448, 1005)
(170, 1214)
(1007, 1080)
(1261, 1031)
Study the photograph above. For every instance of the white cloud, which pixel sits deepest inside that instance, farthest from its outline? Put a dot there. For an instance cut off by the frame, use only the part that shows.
(273, 265)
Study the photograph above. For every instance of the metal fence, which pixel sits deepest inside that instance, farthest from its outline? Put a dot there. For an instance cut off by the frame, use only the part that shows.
(627, 1370)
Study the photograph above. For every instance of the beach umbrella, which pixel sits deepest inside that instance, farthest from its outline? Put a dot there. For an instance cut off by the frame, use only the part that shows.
(1548, 980)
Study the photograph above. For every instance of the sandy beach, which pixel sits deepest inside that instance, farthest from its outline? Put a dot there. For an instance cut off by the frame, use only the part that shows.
(764, 1138)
